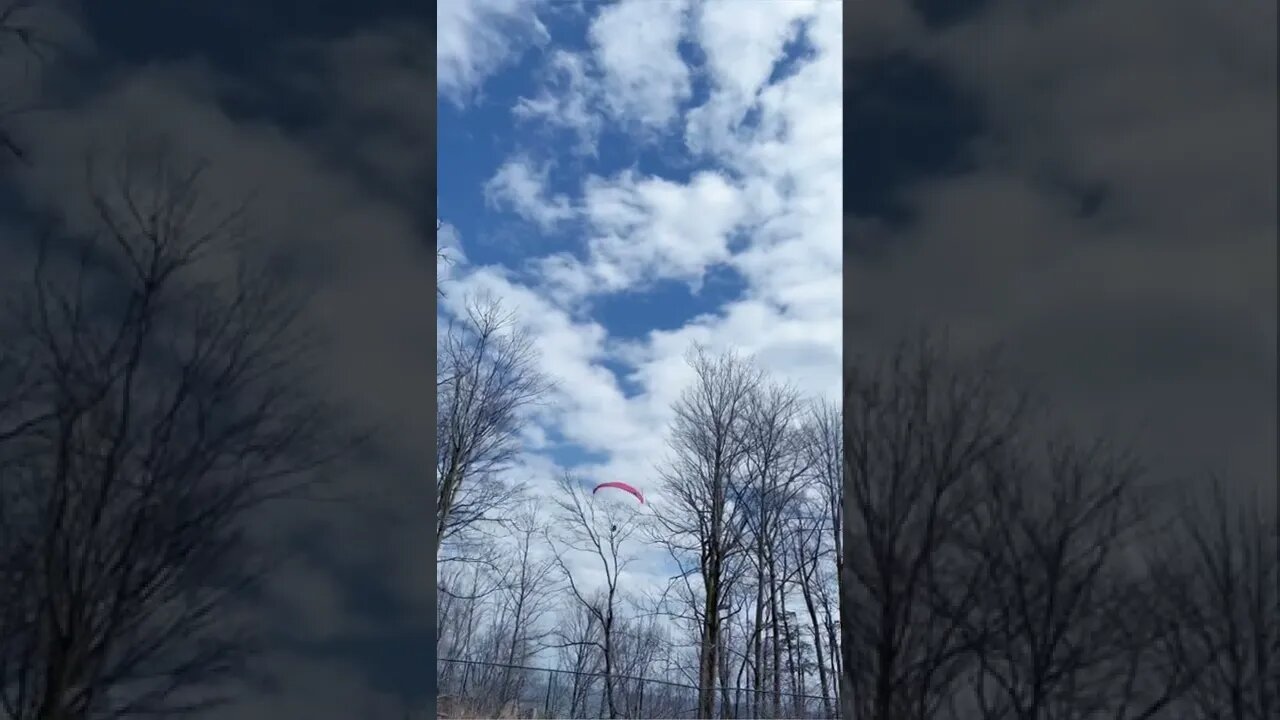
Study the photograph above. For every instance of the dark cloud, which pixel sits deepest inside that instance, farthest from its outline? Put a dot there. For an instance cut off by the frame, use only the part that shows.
(1115, 227)
(383, 130)
(234, 35)
(910, 122)
(941, 14)
(350, 607)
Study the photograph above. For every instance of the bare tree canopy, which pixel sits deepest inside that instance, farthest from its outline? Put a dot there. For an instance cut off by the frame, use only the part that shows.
(487, 377)
(600, 532)
(934, 549)
(702, 527)
(917, 428)
(1219, 579)
(155, 392)
(994, 570)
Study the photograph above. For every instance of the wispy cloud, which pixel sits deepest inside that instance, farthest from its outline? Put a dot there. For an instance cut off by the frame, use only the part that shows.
(476, 38)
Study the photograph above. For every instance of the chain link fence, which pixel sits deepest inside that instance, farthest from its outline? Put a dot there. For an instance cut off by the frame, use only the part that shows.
(471, 689)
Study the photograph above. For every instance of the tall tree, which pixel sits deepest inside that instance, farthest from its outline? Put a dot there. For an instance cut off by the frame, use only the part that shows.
(701, 519)
(527, 589)
(918, 424)
(774, 465)
(488, 376)
(1048, 540)
(153, 403)
(1223, 567)
(823, 513)
(807, 554)
(578, 642)
(599, 531)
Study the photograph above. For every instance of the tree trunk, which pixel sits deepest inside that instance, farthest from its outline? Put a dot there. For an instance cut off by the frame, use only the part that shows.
(886, 660)
(710, 639)
(847, 708)
(757, 681)
(817, 647)
(726, 706)
(793, 665)
(838, 668)
(776, 664)
(608, 660)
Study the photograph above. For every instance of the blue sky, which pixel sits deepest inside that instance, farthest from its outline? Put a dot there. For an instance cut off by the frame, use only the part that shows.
(478, 139)
(635, 177)
(632, 178)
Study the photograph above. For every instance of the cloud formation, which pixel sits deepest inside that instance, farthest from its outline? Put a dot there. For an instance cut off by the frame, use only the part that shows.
(1112, 219)
(715, 139)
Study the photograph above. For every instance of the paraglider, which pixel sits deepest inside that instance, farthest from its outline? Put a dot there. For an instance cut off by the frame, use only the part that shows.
(618, 502)
(619, 486)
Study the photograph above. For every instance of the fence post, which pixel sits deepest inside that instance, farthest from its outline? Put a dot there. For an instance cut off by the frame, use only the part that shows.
(551, 683)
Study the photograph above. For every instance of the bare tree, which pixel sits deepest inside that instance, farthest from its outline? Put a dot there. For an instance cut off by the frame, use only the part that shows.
(774, 465)
(599, 531)
(1051, 536)
(527, 601)
(701, 519)
(807, 554)
(578, 643)
(823, 433)
(157, 404)
(465, 592)
(1147, 663)
(495, 612)
(819, 530)
(917, 426)
(827, 596)
(636, 652)
(488, 376)
(1221, 567)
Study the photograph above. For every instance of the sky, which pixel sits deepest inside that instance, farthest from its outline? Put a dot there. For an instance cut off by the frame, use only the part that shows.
(1091, 183)
(1088, 185)
(631, 179)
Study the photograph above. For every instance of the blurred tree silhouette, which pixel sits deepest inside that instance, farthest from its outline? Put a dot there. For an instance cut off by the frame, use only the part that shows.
(156, 391)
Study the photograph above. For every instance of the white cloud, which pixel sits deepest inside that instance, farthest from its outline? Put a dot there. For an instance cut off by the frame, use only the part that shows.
(645, 229)
(521, 188)
(636, 45)
(450, 255)
(743, 44)
(476, 38)
(568, 100)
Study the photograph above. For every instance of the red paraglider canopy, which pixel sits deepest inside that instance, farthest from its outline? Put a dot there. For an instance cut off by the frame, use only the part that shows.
(620, 486)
